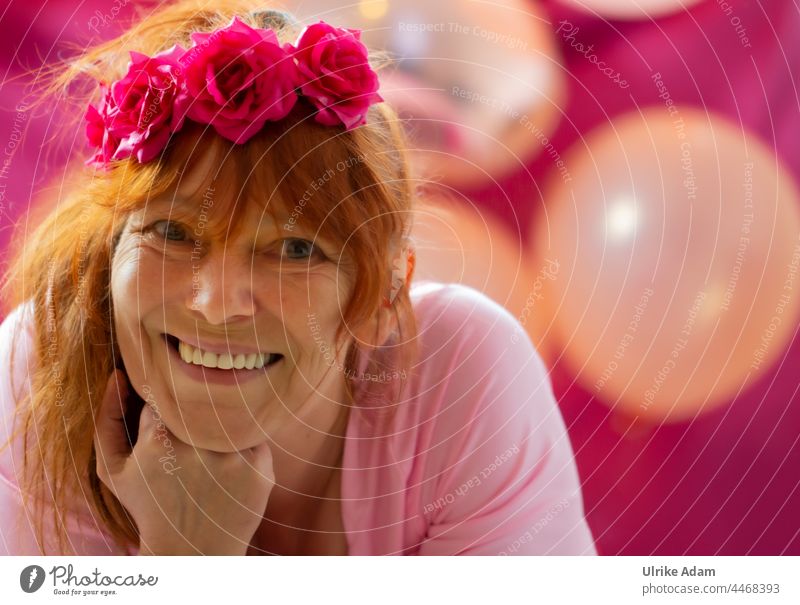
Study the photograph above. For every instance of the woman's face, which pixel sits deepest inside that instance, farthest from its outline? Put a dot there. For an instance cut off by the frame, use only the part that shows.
(269, 291)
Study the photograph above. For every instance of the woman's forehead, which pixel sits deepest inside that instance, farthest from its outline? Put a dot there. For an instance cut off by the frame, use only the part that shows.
(232, 194)
(215, 173)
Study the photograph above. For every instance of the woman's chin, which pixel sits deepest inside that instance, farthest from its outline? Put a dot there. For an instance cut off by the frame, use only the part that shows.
(217, 439)
(216, 435)
(215, 428)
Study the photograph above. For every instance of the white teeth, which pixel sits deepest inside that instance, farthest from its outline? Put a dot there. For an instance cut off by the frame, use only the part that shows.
(209, 359)
(223, 361)
(184, 351)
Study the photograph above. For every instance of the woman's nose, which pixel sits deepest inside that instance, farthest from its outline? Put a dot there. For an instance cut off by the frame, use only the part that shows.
(222, 287)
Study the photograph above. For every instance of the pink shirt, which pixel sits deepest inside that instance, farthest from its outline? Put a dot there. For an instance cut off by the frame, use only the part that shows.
(476, 460)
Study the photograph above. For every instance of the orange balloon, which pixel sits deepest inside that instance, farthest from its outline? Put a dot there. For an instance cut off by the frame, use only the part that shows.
(678, 235)
(631, 9)
(480, 84)
(456, 243)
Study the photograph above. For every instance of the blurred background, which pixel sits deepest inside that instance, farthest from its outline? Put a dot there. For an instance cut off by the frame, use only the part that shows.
(622, 176)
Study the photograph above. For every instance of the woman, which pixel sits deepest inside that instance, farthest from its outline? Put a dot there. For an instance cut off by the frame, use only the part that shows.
(212, 343)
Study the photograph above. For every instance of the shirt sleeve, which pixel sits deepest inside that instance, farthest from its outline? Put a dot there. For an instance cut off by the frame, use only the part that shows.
(17, 535)
(506, 483)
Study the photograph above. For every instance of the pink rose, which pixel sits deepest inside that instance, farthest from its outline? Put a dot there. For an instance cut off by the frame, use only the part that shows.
(98, 134)
(140, 111)
(238, 78)
(337, 77)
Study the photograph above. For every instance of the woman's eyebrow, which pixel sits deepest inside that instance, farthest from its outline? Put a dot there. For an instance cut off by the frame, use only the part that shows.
(175, 206)
(181, 208)
(168, 202)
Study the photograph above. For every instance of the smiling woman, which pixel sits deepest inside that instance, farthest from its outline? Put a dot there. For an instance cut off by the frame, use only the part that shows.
(230, 359)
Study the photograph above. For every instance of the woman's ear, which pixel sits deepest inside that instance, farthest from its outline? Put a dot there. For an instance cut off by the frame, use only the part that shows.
(403, 263)
(379, 329)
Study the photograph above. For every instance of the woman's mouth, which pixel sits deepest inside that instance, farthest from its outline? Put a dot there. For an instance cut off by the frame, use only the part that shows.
(224, 368)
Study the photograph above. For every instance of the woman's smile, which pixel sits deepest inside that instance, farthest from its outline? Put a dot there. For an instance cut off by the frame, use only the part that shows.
(209, 367)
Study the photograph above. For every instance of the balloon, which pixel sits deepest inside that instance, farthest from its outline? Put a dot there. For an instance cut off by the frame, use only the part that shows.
(678, 236)
(456, 243)
(631, 9)
(480, 84)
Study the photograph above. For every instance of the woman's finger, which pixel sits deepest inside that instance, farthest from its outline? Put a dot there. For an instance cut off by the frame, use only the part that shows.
(110, 438)
(263, 458)
(151, 427)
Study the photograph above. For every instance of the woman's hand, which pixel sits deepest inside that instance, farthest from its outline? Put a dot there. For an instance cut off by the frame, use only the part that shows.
(193, 501)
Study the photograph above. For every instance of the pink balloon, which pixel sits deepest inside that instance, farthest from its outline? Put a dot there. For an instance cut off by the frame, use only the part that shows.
(456, 243)
(678, 235)
(481, 84)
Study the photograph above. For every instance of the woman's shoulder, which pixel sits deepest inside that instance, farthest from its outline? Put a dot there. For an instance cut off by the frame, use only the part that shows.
(460, 326)
(20, 317)
(477, 440)
(476, 365)
(444, 304)
(17, 335)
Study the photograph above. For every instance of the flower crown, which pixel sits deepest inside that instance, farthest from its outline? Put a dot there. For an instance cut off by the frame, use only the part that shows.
(235, 79)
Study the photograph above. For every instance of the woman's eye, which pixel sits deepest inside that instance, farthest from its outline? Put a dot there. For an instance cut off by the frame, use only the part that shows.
(298, 249)
(173, 231)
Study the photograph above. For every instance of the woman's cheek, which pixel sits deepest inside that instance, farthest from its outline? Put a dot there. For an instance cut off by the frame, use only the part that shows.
(131, 296)
(137, 270)
(124, 295)
(325, 318)
(124, 267)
